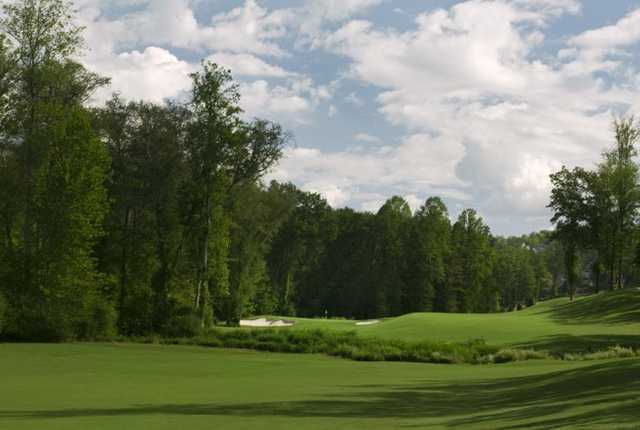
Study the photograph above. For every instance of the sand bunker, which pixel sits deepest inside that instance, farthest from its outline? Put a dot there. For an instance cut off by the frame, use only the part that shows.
(371, 322)
(263, 322)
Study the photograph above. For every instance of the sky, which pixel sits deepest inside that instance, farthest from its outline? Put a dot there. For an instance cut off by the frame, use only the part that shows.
(474, 101)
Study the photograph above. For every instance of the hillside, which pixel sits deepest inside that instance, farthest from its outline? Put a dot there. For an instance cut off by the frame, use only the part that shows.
(586, 324)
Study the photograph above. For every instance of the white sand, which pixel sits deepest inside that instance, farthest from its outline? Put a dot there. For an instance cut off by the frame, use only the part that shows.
(371, 322)
(263, 322)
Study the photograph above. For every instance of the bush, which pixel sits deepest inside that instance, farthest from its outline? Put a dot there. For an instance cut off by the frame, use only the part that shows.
(4, 313)
(612, 352)
(184, 323)
(350, 346)
(507, 355)
(99, 320)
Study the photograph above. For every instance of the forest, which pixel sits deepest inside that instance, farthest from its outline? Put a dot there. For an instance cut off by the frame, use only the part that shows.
(136, 218)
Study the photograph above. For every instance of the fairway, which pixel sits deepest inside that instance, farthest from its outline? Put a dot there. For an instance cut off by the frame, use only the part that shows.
(108, 386)
(586, 324)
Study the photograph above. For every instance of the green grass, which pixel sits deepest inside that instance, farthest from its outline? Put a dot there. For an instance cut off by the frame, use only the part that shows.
(588, 324)
(127, 386)
(115, 386)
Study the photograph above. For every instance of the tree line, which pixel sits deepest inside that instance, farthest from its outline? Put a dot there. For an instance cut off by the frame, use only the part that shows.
(138, 218)
(595, 212)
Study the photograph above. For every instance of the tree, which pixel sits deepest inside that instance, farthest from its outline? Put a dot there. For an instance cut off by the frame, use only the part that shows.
(223, 152)
(390, 260)
(297, 254)
(570, 190)
(623, 177)
(59, 169)
(428, 248)
(145, 236)
(470, 264)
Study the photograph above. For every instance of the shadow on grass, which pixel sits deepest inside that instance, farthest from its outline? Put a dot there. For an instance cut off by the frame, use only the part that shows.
(604, 395)
(612, 307)
(561, 343)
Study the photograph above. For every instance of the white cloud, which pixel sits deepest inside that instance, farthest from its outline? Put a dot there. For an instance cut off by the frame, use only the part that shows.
(420, 164)
(469, 75)
(245, 29)
(551, 7)
(250, 28)
(336, 10)
(602, 49)
(259, 98)
(248, 65)
(153, 75)
(364, 137)
(623, 33)
(487, 110)
(354, 99)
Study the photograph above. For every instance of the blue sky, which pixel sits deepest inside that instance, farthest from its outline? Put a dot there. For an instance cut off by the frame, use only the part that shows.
(475, 101)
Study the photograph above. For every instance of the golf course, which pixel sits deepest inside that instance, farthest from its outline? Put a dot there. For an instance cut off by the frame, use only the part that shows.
(125, 385)
(319, 215)
(586, 324)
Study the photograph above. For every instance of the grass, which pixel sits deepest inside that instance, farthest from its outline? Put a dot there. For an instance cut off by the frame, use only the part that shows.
(347, 344)
(586, 325)
(122, 386)
(115, 386)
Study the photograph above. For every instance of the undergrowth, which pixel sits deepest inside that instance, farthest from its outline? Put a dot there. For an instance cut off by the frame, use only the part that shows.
(351, 346)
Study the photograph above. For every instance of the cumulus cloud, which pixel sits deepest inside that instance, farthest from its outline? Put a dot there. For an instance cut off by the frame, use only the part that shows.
(469, 76)
(419, 164)
(248, 65)
(239, 36)
(364, 137)
(484, 106)
(154, 75)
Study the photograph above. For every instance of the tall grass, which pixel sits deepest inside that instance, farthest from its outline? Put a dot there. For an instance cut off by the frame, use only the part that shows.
(347, 344)
(343, 344)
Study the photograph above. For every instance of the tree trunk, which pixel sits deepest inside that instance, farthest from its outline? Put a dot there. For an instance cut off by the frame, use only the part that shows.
(199, 307)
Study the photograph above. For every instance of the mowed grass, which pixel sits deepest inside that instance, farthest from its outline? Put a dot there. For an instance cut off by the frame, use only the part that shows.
(587, 324)
(125, 386)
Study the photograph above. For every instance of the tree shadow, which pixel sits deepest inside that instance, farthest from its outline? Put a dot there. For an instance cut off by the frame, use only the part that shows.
(568, 343)
(604, 394)
(612, 307)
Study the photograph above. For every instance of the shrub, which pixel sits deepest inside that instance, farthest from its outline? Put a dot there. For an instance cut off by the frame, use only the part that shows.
(507, 355)
(612, 352)
(99, 320)
(184, 323)
(4, 313)
(350, 346)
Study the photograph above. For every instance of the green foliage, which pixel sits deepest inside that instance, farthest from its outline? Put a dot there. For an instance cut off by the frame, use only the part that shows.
(508, 355)
(351, 346)
(612, 352)
(153, 217)
(4, 314)
(99, 320)
(595, 211)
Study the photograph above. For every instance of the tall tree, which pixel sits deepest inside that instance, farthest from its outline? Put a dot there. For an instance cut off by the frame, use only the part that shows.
(223, 152)
(570, 190)
(428, 248)
(60, 168)
(390, 260)
(624, 180)
(470, 263)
